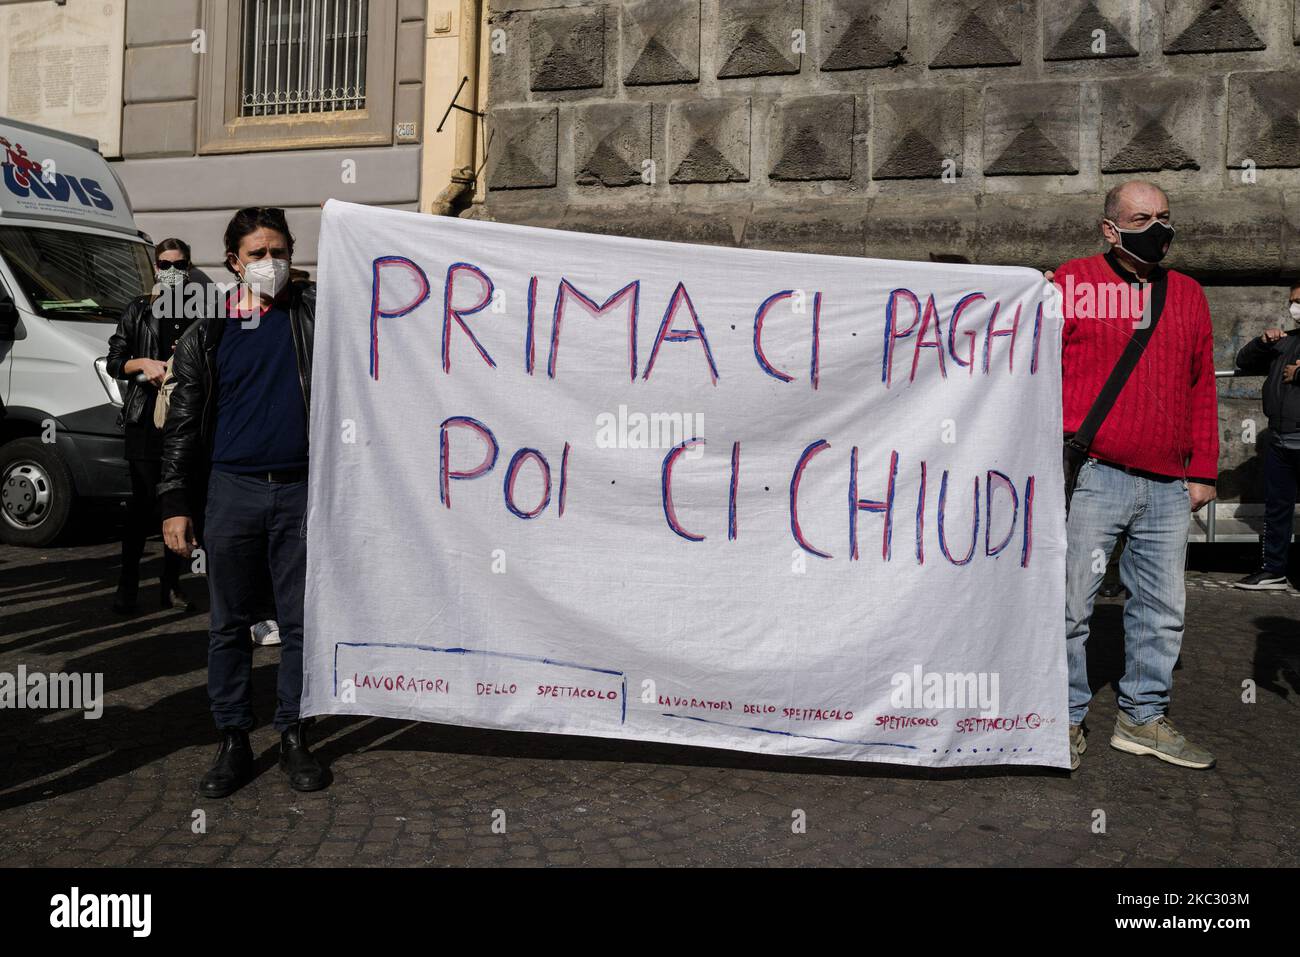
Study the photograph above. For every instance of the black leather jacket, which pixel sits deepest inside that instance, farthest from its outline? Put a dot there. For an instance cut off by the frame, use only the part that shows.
(192, 417)
(136, 338)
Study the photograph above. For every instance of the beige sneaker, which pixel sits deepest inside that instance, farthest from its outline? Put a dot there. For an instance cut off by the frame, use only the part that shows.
(1160, 739)
(1078, 745)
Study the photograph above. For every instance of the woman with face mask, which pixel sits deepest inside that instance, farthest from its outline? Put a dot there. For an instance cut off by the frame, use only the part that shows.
(138, 352)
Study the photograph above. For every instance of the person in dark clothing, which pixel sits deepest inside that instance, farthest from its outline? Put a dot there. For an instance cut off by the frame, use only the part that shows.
(138, 352)
(1276, 354)
(238, 424)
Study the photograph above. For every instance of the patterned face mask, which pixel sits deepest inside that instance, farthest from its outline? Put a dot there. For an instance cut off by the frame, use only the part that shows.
(169, 278)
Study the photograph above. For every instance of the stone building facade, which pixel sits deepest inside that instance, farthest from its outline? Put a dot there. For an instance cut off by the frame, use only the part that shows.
(905, 129)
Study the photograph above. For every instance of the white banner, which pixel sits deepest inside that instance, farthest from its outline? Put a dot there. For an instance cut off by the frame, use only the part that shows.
(795, 504)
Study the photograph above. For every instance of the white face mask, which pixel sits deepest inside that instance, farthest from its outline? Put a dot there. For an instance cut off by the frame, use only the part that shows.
(1295, 311)
(267, 276)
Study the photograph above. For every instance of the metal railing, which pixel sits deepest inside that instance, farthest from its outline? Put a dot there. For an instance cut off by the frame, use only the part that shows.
(303, 56)
(1212, 508)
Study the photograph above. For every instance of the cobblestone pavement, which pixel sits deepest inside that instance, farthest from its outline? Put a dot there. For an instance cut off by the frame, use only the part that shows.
(121, 790)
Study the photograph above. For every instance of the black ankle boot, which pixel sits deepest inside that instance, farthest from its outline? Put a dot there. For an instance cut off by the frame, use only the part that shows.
(175, 597)
(233, 768)
(305, 772)
(124, 601)
(124, 604)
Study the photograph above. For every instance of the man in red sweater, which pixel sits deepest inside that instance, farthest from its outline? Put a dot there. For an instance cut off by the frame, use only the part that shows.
(1154, 460)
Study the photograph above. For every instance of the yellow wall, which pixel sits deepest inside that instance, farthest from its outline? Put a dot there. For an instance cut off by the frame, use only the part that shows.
(452, 42)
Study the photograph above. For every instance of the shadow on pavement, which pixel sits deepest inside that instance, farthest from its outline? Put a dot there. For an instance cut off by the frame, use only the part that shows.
(1277, 656)
(480, 742)
(120, 742)
(73, 598)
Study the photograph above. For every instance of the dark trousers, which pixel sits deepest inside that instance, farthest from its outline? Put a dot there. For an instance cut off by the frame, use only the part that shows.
(253, 529)
(142, 520)
(1281, 469)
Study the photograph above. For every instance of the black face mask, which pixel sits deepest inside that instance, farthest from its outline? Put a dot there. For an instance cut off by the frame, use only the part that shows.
(1147, 245)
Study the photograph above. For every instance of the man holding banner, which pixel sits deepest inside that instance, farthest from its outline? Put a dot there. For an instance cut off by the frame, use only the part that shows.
(1152, 449)
(238, 427)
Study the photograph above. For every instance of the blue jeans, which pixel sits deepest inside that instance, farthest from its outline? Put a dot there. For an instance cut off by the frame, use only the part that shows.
(253, 529)
(1155, 516)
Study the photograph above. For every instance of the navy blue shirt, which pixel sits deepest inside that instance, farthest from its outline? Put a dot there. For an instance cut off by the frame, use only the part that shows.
(261, 416)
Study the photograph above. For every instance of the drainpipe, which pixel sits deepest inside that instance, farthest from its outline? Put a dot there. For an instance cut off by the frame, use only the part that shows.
(452, 199)
(458, 193)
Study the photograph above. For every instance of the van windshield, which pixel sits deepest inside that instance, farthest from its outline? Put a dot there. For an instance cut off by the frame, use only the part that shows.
(71, 275)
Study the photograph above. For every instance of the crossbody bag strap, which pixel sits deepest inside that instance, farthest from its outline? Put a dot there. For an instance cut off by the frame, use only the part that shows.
(1082, 439)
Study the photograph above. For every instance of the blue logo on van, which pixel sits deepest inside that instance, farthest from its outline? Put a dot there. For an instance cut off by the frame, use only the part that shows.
(24, 177)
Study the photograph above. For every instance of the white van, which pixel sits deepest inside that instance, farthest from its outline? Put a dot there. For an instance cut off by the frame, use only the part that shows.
(71, 258)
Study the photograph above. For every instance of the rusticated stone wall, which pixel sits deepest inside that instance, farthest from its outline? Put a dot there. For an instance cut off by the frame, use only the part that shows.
(987, 129)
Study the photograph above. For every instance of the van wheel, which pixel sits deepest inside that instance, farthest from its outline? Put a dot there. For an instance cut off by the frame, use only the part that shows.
(35, 493)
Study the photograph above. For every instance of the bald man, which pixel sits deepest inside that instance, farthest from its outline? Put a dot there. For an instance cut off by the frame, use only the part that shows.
(1154, 460)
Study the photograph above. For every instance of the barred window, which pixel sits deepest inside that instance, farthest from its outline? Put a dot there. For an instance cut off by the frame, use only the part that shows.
(303, 56)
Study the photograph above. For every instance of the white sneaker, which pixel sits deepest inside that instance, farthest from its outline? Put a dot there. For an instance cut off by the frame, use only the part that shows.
(266, 633)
